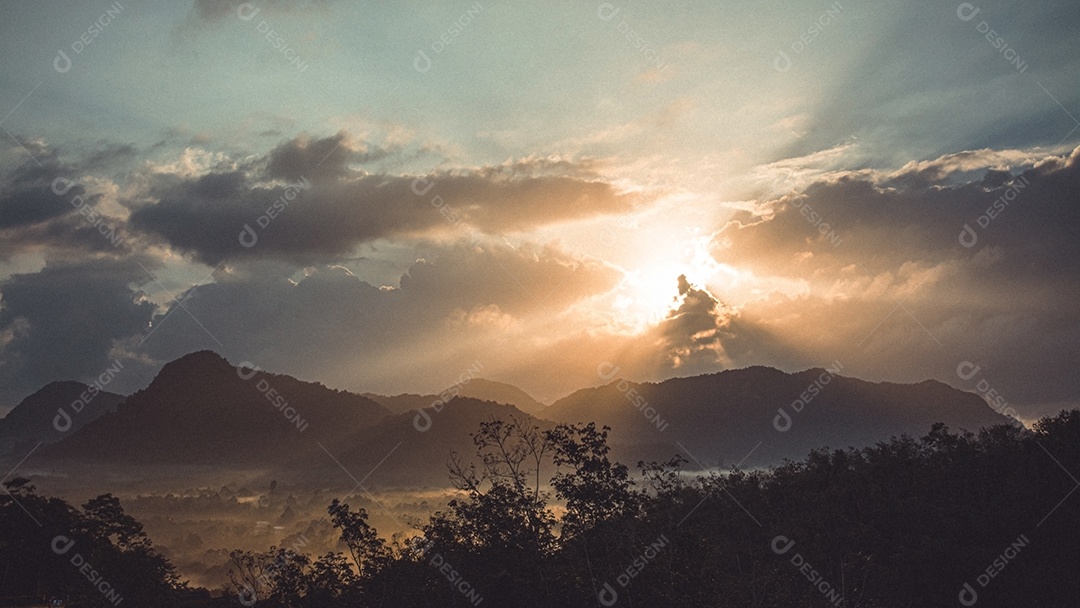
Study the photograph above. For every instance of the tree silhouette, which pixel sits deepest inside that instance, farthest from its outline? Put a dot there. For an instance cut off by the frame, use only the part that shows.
(904, 523)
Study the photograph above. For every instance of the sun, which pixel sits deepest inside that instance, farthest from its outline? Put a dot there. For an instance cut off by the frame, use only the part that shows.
(647, 295)
(650, 291)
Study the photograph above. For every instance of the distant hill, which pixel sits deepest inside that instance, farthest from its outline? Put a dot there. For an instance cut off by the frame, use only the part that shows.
(405, 455)
(38, 417)
(720, 418)
(477, 388)
(405, 402)
(200, 409)
(500, 392)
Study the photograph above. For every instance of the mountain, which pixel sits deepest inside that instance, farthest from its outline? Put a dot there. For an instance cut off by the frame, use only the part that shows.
(200, 409)
(405, 402)
(476, 388)
(54, 412)
(500, 392)
(413, 448)
(759, 415)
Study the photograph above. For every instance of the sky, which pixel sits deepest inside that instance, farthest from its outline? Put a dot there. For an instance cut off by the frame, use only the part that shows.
(383, 196)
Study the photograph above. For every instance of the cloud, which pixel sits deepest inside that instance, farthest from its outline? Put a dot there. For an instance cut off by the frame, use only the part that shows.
(213, 11)
(872, 268)
(27, 196)
(454, 304)
(319, 159)
(332, 207)
(62, 322)
(54, 206)
(909, 274)
(690, 335)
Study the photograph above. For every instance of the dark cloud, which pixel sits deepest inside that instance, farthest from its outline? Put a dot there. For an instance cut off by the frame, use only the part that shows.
(690, 336)
(319, 159)
(330, 209)
(62, 322)
(853, 220)
(44, 208)
(894, 290)
(27, 196)
(455, 303)
(212, 11)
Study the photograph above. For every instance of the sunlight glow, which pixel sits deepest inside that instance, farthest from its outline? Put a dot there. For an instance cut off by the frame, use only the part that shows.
(650, 292)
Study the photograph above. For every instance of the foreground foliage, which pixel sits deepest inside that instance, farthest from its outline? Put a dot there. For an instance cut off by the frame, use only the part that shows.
(904, 523)
(908, 522)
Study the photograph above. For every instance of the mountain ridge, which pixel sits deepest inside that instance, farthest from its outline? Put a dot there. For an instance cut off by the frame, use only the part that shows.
(200, 409)
(226, 411)
(734, 414)
(53, 411)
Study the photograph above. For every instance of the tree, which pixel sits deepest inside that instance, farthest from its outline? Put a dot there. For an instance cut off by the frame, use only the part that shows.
(595, 489)
(49, 547)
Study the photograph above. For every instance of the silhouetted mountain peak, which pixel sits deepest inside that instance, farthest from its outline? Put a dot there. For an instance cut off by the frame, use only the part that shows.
(33, 418)
(45, 398)
(500, 392)
(201, 361)
(731, 411)
(476, 388)
(201, 409)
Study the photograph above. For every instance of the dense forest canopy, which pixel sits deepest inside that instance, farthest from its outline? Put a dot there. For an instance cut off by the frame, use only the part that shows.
(947, 519)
